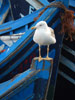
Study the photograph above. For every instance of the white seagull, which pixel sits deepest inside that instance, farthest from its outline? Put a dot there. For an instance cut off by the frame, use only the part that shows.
(43, 35)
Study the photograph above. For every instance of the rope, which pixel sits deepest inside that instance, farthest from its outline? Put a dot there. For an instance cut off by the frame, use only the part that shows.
(53, 4)
(67, 19)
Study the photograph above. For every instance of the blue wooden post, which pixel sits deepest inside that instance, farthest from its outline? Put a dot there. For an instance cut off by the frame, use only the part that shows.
(42, 84)
(65, 2)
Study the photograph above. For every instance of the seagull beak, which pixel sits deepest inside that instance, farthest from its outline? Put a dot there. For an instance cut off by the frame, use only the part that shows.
(33, 28)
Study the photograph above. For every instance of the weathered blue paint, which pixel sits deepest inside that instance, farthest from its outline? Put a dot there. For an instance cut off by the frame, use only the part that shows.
(16, 53)
(29, 32)
(44, 2)
(72, 3)
(56, 23)
(4, 8)
(16, 64)
(17, 43)
(26, 35)
(2, 87)
(43, 76)
(51, 54)
(24, 85)
(1, 1)
(23, 21)
(19, 8)
(26, 28)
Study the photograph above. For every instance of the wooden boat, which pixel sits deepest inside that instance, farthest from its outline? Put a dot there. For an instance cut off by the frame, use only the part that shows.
(18, 56)
(24, 49)
(67, 55)
(66, 67)
(32, 84)
(4, 9)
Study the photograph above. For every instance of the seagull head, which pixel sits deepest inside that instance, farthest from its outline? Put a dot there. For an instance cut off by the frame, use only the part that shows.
(39, 25)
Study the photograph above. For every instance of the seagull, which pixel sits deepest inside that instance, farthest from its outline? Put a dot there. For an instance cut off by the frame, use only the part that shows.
(2, 47)
(43, 35)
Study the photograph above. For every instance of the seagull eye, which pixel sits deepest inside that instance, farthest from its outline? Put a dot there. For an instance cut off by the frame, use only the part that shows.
(40, 24)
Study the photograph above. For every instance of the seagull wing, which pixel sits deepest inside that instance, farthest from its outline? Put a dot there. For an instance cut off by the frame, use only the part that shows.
(52, 32)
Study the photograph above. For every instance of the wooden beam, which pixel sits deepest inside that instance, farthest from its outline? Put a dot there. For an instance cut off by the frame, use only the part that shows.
(67, 63)
(67, 77)
(36, 4)
(5, 29)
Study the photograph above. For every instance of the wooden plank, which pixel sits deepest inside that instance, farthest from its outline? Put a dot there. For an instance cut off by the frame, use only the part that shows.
(4, 11)
(1, 1)
(69, 49)
(5, 29)
(49, 12)
(10, 39)
(67, 77)
(20, 22)
(35, 3)
(67, 63)
(72, 3)
(44, 2)
(46, 66)
(26, 28)
(17, 81)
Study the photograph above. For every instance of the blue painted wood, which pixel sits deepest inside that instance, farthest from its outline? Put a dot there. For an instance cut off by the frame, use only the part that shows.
(48, 18)
(72, 3)
(17, 52)
(24, 85)
(20, 22)
(12, 84)
(26, 93)
(26, 35)
(51, 54)
(4, 10)
(1, 1)
(44, 2)
(22, 7)
(26, 27)
(43, 74)
(5, 25)
(6, 87)
(16, 64)
(11, 32)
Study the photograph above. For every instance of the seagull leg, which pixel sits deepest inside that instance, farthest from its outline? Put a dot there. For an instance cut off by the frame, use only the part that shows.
(40, 58)
(47, 51)
(48, 58)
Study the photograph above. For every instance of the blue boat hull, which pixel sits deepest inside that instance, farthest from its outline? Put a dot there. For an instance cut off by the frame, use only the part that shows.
(23, 80)
(32, 84)
(19, 59)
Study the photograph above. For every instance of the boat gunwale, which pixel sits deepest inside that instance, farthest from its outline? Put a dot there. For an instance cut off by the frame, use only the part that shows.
(28, 32)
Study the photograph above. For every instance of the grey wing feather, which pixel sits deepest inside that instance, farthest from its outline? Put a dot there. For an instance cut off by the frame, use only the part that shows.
(52, 32)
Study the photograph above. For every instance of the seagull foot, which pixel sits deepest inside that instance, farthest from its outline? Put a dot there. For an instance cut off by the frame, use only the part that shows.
(48, 58)
(40, 58)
